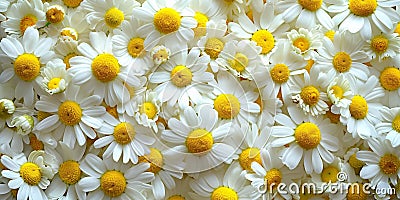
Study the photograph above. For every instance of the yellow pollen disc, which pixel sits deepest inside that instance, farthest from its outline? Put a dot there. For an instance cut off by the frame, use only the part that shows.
(67, 58)
(69, 172)
(105, 67)
(311, 5)
(202, 20)
(329, 174)
(124, 133)
(396, 123)
(181, 76)
(280, 73)
(307, 135)
(227, 106)
(155, 159)
(358, 107)
(213, 47)
(355, 163)
(27, 67)
(136, 47)
(27, 21)
(240, 62)
(363, 8)
(70, 32)
(224, 193)
(397, 29)
(112, 111)
(72, 3)
(54, 15)
(310, 63)
(70, 113)
(264, 39)
(199, 140)
(389, 164)
(342, 62)
(176, 197)
(390, 78)
(54, 83)
(302, 43)
(149, 109)
(114, 17)
(35, 143)
(330, 34)
(167, 20)
(42, 115)
(356, 192)
(337, 91)
(248, 156)
(379, 44)
(273, 177)
(30, 173)
(113, 183)
(310, 95)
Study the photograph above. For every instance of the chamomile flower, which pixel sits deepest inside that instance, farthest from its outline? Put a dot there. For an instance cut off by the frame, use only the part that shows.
(181, 190)
(135, 94)
(105, 15)
(14, 138)
(352, 165)
(65, 50)
(231, 8)
(125, 138)
(110, 180)
(359, 15)
(54, 77)
(339, 93)
(7, 109)
(305, 41)
(98, 70)
(390, 125)
(169, 21)
(147, 110)
(74, 115)
(24, 61)
(312, 141)
(382, 46)
(328, 178)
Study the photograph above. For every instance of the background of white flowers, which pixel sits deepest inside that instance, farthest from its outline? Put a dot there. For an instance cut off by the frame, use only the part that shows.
(198, 99)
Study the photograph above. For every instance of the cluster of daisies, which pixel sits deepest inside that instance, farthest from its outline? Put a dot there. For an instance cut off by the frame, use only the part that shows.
(199, 99)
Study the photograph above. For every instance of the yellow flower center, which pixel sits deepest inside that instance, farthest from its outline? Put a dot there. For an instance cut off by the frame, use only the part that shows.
(69, 172)
(199, 140)
(67, 58)
(273, 177)
(124, 133)
(149, 109)
(358, 107)
(379, 44)
(42, 115)
(213, 47)
(307, 135)
(280, 73)
(181, 76)
(53, 83)
(27, 21)
(342, 62)
(329, 174)
(167, 20)
(224, 193)
(27, 67)
(309, 65)
(302, 43)
(70, 113)
(390, 78)
(310, 95)
(311, 5)
(70, 32)
(240, 62)
(113, 183)
(397, 29)
(227, 106)
(356, 192)
(330, 34)
(35, 143)
(105, 67)
(155, 159)
(248, 156)
(176, 197)
(337, 91)
(72, 3)
(396, 123)
(114, 17)
(136, 47)
(54, 15)
(30, 173)
(202, 20)
(355, 163)
(389, 164)
(265, 40)
(363, 8)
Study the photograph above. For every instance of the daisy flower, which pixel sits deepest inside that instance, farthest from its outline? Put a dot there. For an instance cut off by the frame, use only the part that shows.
(54, 14)
(7, 109)
(99, 70)
(129, 49)
(30, 176)
(125, 138)
(169, 21)
(54, 77)
(231, 8)
(183, 78)
(66, 49)
(74, 115)
(329, 177)
(314, 140)
(68, 5)
(352, 165)
(381, 46)
(135, 94)
(106, 15)
(305, 41)
(360, 16)
(339, 93)
(110, 180)
(306, 13)
(17, 134)
(181, 190)
(390, 125)
(148, 109)
(200, 139)
(24, 61)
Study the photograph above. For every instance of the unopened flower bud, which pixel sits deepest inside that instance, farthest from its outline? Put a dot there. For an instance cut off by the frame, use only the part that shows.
(23, 124)
(7, 108)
